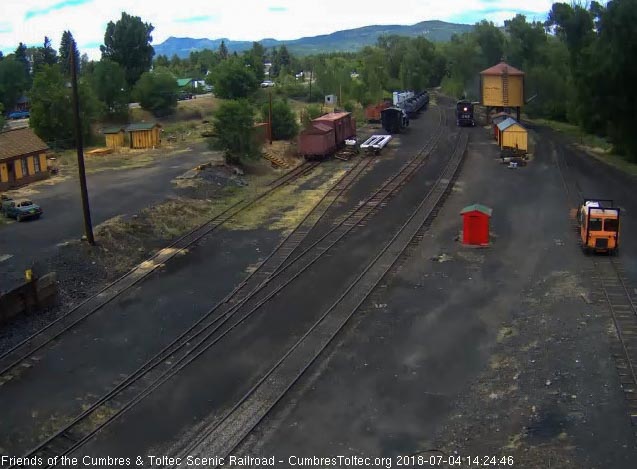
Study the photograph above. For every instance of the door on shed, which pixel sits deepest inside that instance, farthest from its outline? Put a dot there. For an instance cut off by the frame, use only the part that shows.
(474, 228)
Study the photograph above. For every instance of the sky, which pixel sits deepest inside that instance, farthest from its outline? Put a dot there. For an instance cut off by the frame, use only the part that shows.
(28, 21)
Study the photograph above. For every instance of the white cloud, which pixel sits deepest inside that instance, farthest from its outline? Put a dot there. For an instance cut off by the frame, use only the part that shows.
(239, 19)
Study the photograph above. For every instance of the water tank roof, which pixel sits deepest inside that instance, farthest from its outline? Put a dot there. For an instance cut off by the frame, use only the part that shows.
(502, 68)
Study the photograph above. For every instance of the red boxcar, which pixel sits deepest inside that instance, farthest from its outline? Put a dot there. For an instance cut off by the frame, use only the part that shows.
(372, 112)
(342, 123)
(317, 141)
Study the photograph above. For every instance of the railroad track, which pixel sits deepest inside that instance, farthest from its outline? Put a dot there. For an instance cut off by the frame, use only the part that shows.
(274, 273)
(227, 433)
(22, 354)
(80, 429)
(614, 290)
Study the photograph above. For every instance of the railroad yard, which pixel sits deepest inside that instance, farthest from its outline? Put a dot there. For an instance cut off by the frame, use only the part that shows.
(347, 319)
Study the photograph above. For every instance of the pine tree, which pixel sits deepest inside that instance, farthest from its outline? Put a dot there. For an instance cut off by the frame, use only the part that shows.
(65, 52)
(49, 55)
(21, 56)
(223, 51)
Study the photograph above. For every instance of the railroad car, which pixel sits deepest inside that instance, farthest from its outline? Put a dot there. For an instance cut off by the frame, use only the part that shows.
(598, 222)
(464, 113)
(317, 141)
(372, 112)
(394, 119)
(326, 134)
(342, 123)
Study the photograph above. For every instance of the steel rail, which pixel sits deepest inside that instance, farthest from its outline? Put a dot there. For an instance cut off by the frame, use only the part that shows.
(184, 338)
(406, 171)
(624, 356)
(143, 271)
(434, 198)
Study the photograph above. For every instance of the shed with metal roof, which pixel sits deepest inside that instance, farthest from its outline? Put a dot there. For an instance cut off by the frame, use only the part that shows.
(183, 82)
(511, 134)
(115, 136)
(475, 224)
(22, 158)
(496, 119)
(144, 135)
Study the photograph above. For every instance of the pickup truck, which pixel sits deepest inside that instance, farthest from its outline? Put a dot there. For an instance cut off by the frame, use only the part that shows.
(21, 210)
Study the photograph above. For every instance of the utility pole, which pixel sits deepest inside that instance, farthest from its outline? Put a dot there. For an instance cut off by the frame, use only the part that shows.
(311, 76)
(270, 118)
(88, 227)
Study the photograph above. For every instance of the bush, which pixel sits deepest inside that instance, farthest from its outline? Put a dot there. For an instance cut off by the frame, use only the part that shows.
(157, 93)
(233, 80)
(310, 113)
(234, 128)
(284, 124)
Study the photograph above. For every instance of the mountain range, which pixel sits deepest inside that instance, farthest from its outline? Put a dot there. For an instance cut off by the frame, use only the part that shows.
(349, 40)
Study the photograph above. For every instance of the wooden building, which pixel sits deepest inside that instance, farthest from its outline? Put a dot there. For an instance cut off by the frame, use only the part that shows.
(22, 158)
(502, 88)
(115, 137)
(144, 135)
(511, 134)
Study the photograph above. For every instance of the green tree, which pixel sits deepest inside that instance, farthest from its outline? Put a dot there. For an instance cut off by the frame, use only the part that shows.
(233, 80)
(49, 55)
(162, 61)
(223, 51)
(310, 113)
(127, 42)
(109, 84)
(254, 58)
(67, 43)
(20, 56)
(284, 123)
(157, 93)
(234, 126)
(2, 120)
(52, 110)
(491, 41)
(526, 41)
(44, 55)
(13, 82)
(612, 80)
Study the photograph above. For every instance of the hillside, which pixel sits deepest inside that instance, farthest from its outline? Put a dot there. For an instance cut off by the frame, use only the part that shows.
(347, 40)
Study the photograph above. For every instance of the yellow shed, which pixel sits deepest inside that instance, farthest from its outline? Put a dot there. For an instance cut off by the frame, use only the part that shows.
(513, 135)
(144, 135)
(115, 137)
(502, 87)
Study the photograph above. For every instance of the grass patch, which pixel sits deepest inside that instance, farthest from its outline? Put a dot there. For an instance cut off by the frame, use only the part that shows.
(286, 207)
(595, 146)
(123, 159)
(592, 141)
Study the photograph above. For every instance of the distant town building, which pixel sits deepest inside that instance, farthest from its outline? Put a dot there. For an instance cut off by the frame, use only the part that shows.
(331, 99)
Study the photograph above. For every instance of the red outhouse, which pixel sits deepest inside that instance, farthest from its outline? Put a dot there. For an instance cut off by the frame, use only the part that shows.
(475, 224)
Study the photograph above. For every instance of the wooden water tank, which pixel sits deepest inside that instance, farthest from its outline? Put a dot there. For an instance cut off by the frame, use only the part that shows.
(502, 86)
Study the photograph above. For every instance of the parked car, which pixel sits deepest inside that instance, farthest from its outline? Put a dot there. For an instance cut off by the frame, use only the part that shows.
(19, 115)
(21, 210)
(184, 95)
(267, 84)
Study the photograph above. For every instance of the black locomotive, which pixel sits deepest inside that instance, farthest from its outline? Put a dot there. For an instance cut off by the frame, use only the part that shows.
(464, 113)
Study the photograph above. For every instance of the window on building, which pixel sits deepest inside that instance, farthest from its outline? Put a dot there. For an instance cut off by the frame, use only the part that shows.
(25, 169)
(36, 163)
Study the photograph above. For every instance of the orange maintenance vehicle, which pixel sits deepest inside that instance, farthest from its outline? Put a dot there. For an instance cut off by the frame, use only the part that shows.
(599, 226)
